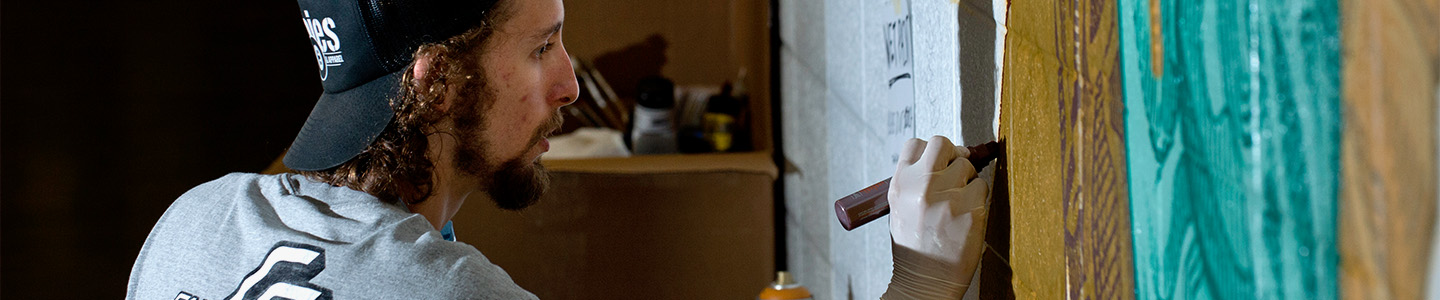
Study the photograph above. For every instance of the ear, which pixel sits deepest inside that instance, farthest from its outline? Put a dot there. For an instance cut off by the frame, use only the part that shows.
(425, 65)
(423, 62)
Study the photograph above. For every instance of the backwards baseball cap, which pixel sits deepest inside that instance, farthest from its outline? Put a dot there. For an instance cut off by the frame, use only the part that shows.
(362, 49)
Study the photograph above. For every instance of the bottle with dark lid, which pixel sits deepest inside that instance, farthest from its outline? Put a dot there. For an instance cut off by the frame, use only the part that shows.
(721, 113)
(656, 92)
(654, 125)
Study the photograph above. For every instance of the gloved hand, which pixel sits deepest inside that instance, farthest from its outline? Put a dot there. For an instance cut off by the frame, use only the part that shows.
(938, 209)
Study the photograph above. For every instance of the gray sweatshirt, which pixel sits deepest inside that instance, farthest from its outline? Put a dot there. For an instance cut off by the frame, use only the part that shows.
(249, 236)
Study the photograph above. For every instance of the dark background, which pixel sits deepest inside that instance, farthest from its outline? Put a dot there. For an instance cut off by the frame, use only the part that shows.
(112, 109)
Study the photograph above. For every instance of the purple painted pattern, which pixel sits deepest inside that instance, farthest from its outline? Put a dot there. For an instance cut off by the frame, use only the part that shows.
(1098, 254)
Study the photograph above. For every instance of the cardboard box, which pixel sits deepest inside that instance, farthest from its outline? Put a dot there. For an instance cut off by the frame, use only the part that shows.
(652, 227)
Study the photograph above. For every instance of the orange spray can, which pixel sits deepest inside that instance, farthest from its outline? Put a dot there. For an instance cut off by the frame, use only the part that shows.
(784, 288)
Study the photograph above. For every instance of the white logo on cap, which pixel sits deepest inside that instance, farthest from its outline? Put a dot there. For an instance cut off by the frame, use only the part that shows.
(325, 43)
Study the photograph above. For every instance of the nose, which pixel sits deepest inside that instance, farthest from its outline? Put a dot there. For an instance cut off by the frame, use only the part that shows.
(567, 89)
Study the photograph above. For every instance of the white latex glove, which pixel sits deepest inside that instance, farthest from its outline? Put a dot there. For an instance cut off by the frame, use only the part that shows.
(938, 211)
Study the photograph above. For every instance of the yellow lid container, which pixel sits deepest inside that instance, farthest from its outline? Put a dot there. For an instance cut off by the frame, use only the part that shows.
(784, 288)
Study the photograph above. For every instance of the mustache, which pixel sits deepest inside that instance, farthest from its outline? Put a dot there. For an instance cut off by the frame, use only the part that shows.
(547, 128)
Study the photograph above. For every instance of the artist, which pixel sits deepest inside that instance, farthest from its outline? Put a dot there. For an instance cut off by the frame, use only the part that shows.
(425, 104)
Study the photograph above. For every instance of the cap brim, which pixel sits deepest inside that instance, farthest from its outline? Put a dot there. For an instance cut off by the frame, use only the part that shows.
(343, 124)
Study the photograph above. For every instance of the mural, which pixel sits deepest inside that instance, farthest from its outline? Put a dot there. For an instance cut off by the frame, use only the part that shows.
(1063, 186)
(1232, 127)
(1387, 196)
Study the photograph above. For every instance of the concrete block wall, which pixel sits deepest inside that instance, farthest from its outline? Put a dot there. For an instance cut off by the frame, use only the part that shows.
(832, 89)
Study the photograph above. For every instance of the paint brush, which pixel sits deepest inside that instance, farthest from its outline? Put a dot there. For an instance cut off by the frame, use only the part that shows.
(872, 202)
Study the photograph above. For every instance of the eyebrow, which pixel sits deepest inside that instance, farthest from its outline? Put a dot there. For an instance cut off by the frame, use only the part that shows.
(545, 34)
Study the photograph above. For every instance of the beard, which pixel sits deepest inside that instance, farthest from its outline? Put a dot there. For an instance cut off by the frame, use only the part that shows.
(513, 184)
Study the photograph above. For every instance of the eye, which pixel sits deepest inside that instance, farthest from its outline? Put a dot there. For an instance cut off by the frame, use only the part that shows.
(544, 49)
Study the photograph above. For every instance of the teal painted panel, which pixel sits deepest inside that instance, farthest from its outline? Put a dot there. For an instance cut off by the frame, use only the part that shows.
(1233, 150)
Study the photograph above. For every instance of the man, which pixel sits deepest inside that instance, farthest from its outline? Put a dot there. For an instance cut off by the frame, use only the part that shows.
(425, 103)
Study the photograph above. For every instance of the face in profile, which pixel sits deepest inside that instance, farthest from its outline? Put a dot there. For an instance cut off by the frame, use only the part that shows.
(526, 78)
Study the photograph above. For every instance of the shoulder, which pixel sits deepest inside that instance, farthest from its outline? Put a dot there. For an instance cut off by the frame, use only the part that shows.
(216, 195)
(461, 271)
(233, 179)
(230, 184)
(180, 237)
(475, 277)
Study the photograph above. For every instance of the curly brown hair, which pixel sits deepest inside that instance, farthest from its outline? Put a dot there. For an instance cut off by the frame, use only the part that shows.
(395, 167)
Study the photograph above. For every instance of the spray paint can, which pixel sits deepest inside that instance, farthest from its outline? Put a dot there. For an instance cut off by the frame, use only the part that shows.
(784, 288)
